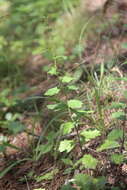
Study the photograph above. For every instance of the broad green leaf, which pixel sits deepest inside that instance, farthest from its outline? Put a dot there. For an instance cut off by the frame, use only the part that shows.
(90, 134)
(72, 87)
(39, 189)
(8, 116)
(15, 127)
(89, 161)
(3, 139)
(51, 136)
(67, 161)
(52, 91)
(115, 134)
(66, 145)
(100, 182)
(56, 107)
(74, 104)
(52, 106)
(119, 115)
(108, 144)
(84, 181)
(53, 71)
(66, 79)
(47, 176)
(117, 158)
(67, 127)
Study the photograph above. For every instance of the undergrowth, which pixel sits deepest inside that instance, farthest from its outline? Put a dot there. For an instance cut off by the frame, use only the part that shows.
(85, 133)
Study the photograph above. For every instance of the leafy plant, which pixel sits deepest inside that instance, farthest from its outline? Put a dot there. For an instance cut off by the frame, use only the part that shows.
(90, 134)
(117, 158)
(89, 162)
(66, 145)
(47, 176)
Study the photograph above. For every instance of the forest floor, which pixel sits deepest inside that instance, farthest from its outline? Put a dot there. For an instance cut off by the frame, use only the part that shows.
(17, 178)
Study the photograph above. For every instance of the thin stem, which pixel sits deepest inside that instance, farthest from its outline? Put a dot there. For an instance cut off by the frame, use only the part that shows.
(123, 137)
(78, 138)
(77, 132)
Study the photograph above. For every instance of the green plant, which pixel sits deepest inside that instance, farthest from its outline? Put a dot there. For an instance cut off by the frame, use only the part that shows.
(73, 110)
(9, 120)
(76, 116)
(84, 181)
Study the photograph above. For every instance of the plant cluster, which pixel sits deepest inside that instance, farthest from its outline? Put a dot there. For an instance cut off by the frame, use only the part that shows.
(87, 129)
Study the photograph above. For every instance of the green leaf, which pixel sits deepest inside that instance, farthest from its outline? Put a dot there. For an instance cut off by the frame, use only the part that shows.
(117, 158)
(3, 139)
(108, 144)
(72, 87)
(119, 115)
(8, 116)
(67, 127)
(66, 79)
(74, 104)
(47, 176)
(90, 134)
(52, 106)
(118, 105)
(100, 182)
(56, 107)
(115, 134)
(15, 127)
(44, 148)
(66, 145)
(52, 91)
(53, 71)
(84, 181)
(67, 161)
(51, 136)
(89, 161)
